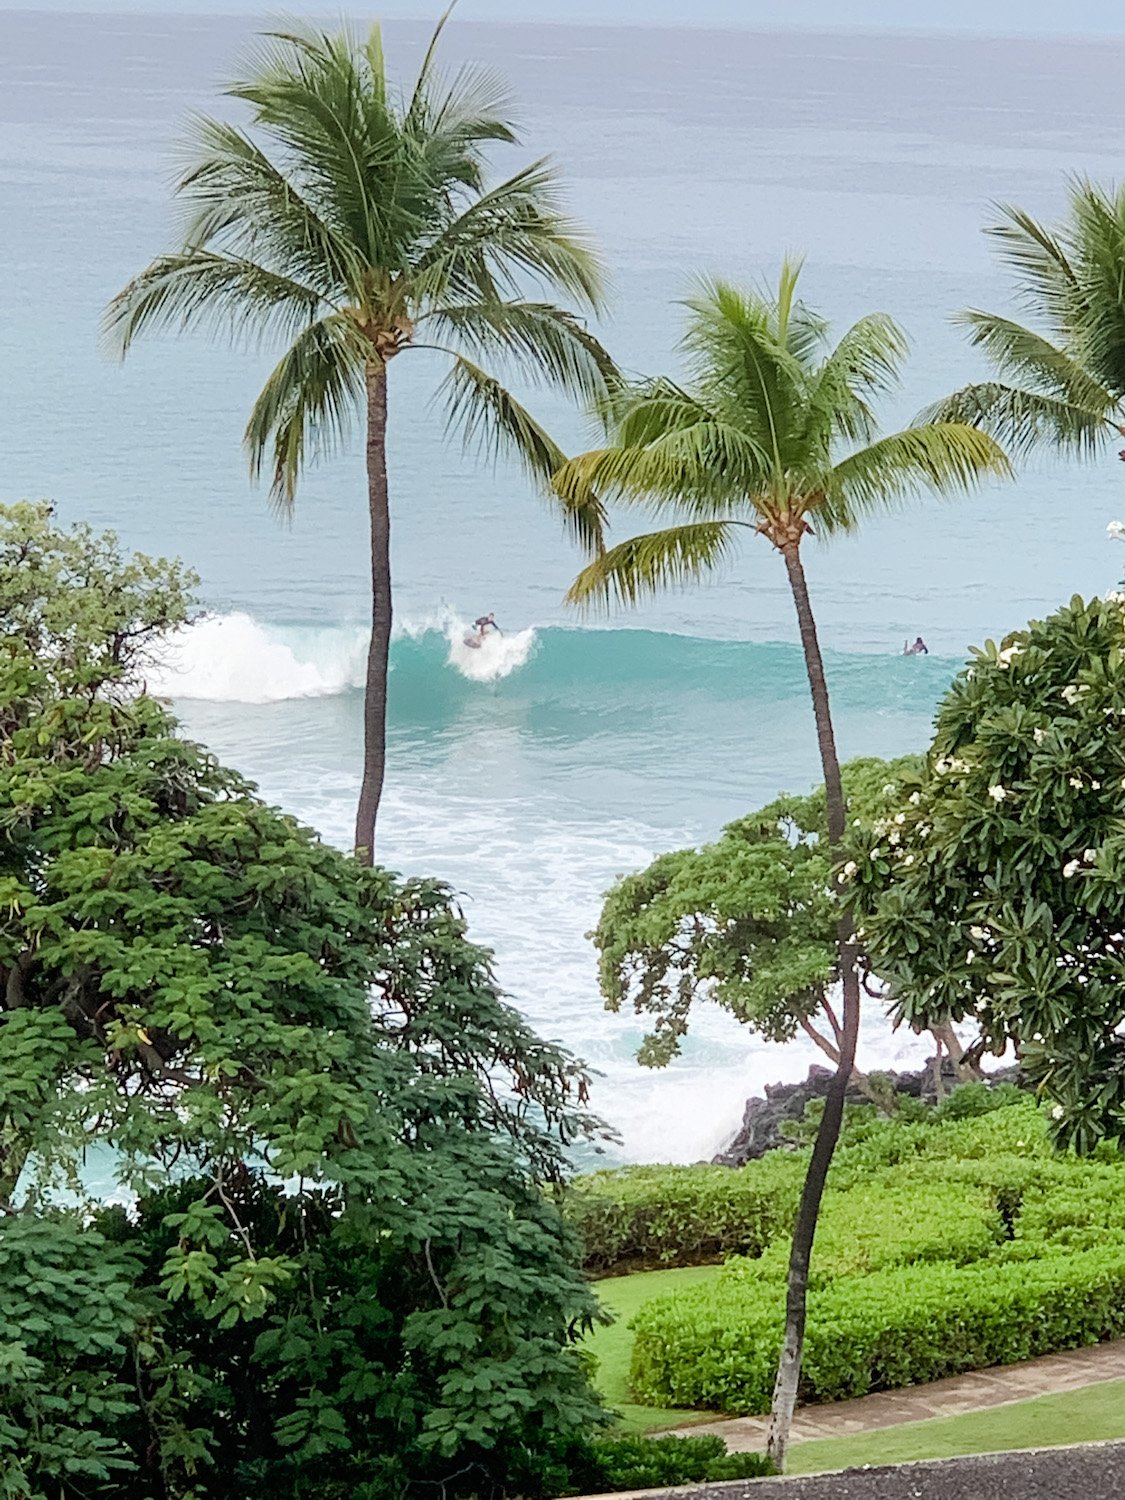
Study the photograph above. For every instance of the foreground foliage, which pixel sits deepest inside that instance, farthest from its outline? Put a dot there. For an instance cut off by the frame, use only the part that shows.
(995, 895)
(340, 1276)
(946, 1244)
(747, 922)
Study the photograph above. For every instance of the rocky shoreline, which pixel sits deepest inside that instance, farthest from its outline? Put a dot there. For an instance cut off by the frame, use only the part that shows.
(763, 1119)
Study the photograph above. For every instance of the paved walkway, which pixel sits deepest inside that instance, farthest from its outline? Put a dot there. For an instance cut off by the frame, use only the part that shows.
(999, 1386)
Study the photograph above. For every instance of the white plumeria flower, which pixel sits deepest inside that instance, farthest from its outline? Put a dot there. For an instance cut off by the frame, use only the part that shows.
(971, 957)
(980, 933)
(1116, 531)
(998, 792)
(1089, 855)
(1115, 596)
(849, 869)
(890, 789)
(1039, 735)
(1075, 690)
(909, 860)
(1097, 786)
(1075, 781)
(895, 838)
(1007, 656)
(900, 819)
(1071, 868)
(1058, 1112)
(915, 799)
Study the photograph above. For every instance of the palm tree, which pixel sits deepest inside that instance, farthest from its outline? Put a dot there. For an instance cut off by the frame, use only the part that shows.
(1064, 386)
(774, 435)
(354, 226)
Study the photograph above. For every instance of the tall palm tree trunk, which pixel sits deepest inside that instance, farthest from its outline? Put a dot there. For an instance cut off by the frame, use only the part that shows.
(804, 1230)
(375, 689)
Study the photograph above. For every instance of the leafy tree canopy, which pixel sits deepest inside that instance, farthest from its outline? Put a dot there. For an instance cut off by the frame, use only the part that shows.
(749, 922)
(339, 1274)
(995, 895)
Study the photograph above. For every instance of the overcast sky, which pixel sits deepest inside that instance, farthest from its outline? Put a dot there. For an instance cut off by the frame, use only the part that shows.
(999, 17)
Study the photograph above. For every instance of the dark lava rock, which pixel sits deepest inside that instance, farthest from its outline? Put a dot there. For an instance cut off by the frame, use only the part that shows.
(762, 1120)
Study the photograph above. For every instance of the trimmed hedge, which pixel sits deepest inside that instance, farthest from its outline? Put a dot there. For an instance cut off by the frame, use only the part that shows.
(716, 1348)
(645, 1217)
(646, 1463)
(877, 1225)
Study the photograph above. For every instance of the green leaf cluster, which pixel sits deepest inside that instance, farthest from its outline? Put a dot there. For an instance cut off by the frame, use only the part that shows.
(996, 893)
(747, 922)
(339, 1274)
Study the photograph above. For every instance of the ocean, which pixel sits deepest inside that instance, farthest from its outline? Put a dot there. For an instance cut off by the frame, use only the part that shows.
(531, 775)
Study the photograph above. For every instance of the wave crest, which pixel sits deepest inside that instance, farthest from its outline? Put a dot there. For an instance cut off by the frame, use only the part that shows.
(233, 658)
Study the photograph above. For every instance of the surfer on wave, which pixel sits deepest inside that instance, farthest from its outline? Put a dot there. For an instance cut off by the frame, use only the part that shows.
(482, 627)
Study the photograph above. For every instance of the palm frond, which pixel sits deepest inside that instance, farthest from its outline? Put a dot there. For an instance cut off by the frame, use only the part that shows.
(493, 424)
(706, 470)
(866, 363)
(1021, 354)
(649, 564)
(237, 201)
(1024, 420)
(222, 294)
(946, 458)
(514, 233)
(313, 95)
(744, 370)
(1098, 254)
(421, 87)
(1045, 279)
(308, 403)
(545, 343)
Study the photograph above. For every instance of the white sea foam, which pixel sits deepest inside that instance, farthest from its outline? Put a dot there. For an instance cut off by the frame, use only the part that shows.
(233, 658)
(497, 656)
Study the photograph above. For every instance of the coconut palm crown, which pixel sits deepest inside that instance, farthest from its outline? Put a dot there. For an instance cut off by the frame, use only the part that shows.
(775, 433)
(1061, 384)
(352, 224)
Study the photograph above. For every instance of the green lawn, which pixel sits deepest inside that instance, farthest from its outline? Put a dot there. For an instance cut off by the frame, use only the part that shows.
(613, 1347)
(1085, 1416)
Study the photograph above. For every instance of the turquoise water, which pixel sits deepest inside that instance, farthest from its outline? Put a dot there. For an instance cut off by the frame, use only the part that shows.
(573, 750)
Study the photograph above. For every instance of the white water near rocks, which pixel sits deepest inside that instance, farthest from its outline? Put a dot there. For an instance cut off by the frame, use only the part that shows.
(531, 773)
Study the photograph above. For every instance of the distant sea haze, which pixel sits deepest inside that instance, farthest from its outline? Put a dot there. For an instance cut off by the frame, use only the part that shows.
(604, 741)
(1031, 18)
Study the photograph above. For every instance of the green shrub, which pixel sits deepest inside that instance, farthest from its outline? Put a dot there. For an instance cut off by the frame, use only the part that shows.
(638, 1217)
(607, 1465)
(717, 1348)
(1076, 1210)
(886, 1223)
(642, 1463)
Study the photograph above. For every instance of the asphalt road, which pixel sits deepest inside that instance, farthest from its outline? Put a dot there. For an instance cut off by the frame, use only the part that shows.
(1094, 1471)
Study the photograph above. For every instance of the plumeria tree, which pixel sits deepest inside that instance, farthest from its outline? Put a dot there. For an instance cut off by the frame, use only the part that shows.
(997, 895)
(774, 435)
(352, 225)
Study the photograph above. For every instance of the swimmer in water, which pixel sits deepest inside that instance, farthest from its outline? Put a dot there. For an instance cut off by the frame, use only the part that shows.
(919, 648)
